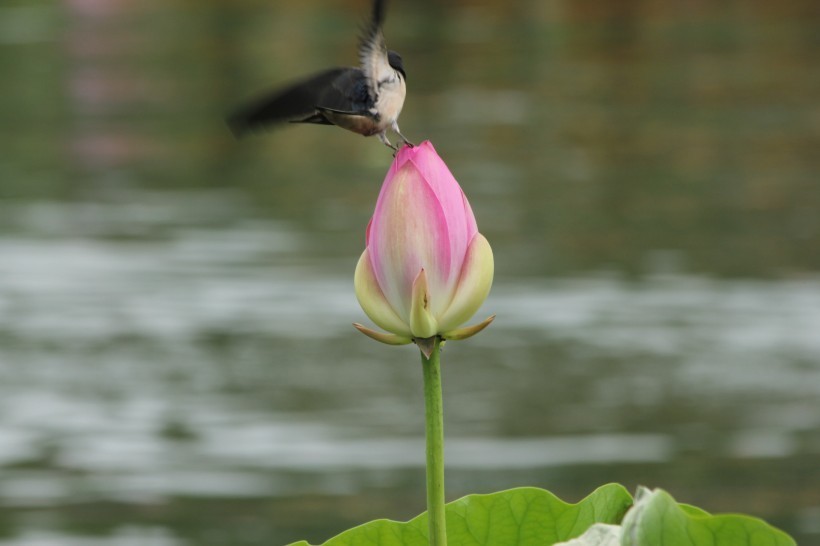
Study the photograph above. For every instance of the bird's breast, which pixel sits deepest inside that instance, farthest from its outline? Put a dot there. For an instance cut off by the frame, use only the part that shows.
(390, 101)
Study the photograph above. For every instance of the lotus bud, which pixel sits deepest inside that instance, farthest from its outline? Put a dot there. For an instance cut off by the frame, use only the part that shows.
(425, 269)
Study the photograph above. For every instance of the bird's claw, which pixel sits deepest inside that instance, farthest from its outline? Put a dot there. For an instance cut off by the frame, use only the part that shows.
(402, 145)
(396, 148)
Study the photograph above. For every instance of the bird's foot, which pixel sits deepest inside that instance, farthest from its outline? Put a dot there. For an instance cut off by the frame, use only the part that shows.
(405, 142)
(383, 138)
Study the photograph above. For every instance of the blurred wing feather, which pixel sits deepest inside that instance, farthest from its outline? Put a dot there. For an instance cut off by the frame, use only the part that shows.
(373, 51)
(288, 103)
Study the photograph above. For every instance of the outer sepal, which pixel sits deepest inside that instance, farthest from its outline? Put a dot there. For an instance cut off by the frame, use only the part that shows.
(426, 346)
(467, 331)
(384, 337)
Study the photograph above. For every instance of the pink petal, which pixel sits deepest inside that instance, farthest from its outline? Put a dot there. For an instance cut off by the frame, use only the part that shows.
(461, 224)
(367, 232)
(408, 233)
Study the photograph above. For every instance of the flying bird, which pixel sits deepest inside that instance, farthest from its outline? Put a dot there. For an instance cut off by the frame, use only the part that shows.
(366, 99)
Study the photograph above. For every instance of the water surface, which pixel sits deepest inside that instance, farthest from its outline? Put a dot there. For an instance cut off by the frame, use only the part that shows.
(177, 364)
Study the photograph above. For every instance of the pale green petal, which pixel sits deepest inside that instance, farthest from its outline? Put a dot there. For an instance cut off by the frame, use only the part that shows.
(422, 322)
(372, 299)
(473, 285)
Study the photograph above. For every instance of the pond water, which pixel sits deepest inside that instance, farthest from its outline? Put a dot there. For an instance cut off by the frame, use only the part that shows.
(177, 362)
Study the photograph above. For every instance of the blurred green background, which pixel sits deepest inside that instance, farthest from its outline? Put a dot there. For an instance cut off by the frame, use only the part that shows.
(177, 365)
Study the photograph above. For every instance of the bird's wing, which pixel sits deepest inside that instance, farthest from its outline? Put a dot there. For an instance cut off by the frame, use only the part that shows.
(373, 51)
(296, 100)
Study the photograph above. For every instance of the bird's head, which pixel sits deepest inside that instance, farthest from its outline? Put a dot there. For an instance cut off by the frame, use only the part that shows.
(396, 63)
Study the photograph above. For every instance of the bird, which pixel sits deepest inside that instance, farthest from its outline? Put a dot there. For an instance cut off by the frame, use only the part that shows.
(366, 99)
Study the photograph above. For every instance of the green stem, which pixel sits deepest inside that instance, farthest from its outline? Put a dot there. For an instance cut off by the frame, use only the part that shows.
(434, 429)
